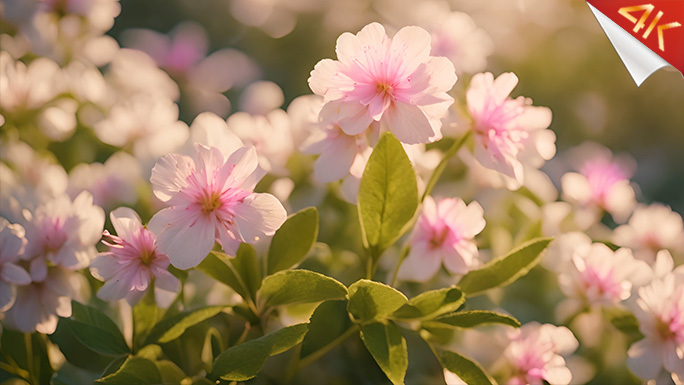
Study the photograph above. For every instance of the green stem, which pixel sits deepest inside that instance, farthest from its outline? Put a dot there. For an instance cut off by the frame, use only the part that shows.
(320, 352)
(443, 163)
(30, 364)
(404, 254)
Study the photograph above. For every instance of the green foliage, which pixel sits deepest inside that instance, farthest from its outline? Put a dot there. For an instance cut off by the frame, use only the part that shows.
(388, 194)
(145, 316)
(431, 304)
(469, 371)
(625, 321)
(327, 323)
(373, 301)
(299, 286)
(388, 347)
(171, 328)
(244, 361)
(504, 270)
(25, 355)
(472, 318)
(292, 242)
(134, 371)
(241, 273)
(95, 330)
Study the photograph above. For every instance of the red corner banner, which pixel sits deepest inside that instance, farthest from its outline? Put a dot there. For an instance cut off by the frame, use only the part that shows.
(658, 24)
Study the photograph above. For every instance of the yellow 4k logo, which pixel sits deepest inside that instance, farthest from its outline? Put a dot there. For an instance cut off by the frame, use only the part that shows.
(641, 23)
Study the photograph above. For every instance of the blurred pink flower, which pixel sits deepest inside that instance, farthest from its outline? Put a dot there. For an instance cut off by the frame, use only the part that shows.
(113, 182)
(39, 303)
(535, 354)
(12, 244)
(63, 233)
(600, 276)
(391, 80)
(211, 199)
(508, 132)
(132, 261)
(650, 229)
(601, 184)
(270, 135)
(660, 311)
(444, 233)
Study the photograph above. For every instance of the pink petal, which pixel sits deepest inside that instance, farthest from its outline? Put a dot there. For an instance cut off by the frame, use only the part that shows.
(408, 123)
(328, 80)
(126, 222)
(336, 160)
(12, 273)
(242, 169)
(8, 293)
(410, 48)
(259, 215)
(354, 117)
(169, 175)
(186, 237)
(421, 263)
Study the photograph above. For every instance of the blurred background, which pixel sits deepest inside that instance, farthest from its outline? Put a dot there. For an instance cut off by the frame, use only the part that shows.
(557, 49)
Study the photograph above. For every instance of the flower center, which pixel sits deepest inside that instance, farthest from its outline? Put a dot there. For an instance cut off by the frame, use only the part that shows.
(439, 237)
(210, 202)
(383, 88)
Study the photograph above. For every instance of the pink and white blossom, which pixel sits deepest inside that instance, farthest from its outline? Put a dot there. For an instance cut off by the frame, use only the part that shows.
(456, 37)
(509, 133)
(660, 312)
(337, 150)
(210, 197)
(39, 303)
(12, 244)
(269, 134)
(535, 354)
(394, 81)
(650, 229)
(443, 234)
(600, 276)
(113, 182)
(132, 262)
(602, 184)
(63, 233)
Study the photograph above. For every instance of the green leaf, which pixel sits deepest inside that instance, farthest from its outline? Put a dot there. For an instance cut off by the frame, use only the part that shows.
(504, 270)
(388, 193)
(625, 321)
(299, 286)
(472, 318)
(242, 273)
(388, 347)
(145, 316)
(95, 330)
(244, 361)
(293, 240)
(247, 266)
(431, 304)
(328, 322)
(170, 372)
(469, 371)
(134, 371)
(373, 301)
(171, 328)
(29, 352)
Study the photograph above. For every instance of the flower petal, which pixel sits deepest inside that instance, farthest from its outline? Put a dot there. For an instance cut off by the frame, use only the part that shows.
(259, 215)
(184, 236)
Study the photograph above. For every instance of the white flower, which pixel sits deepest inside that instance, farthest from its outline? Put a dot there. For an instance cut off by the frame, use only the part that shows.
(12, 244)
(64, 233)
(650, 229)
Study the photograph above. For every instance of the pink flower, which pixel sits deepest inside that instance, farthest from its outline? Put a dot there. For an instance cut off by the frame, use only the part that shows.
(509, 133)
(601, 184)
(210, 198)
(132, 261)
(394, 81)
(660, 311)
(455, 36)
(444, 232)
(535, 354)
(63, 233)
(39, 303)
(600, 276)
(338, 151)
(650, 229)
(12, 244)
